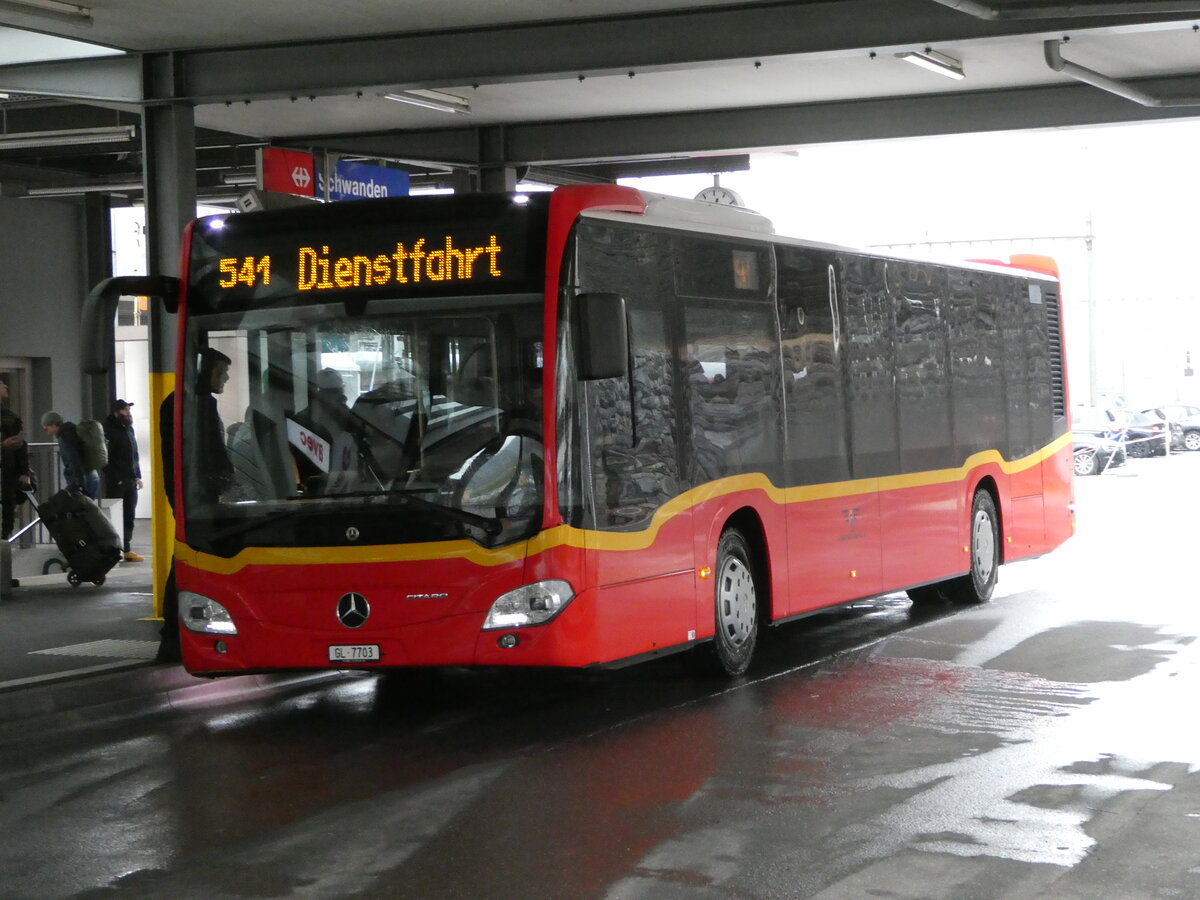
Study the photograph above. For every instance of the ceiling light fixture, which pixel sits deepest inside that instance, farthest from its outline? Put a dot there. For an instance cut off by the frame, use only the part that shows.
(239, 179)
(27, 140)
(71, 190)
(70, 13)
(935, 62)
(434, 100)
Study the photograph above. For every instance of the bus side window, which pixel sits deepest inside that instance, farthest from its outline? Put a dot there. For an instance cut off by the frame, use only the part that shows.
(869, 364)
(976, 388)
(922, 377)
(733, 388)
(812, 367)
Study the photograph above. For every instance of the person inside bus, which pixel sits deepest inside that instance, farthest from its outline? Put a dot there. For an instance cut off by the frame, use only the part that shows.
(330, 465)
(214, 470)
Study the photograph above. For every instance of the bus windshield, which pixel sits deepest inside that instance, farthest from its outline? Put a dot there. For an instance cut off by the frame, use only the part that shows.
(412, 421)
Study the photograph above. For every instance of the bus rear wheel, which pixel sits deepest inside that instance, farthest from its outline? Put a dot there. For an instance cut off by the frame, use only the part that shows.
(735, 596)
(978, 584)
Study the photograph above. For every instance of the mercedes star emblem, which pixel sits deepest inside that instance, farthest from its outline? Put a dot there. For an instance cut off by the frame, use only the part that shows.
(352, 610)
(352, 533)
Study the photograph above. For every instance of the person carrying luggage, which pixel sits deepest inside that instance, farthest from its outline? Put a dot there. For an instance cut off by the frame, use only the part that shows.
(123, 474)
(76, 478)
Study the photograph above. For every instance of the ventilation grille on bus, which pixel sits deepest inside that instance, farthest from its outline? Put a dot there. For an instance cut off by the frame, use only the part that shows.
(1058, 391)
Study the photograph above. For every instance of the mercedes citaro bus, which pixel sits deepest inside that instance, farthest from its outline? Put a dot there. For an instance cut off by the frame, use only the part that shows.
(588, 427)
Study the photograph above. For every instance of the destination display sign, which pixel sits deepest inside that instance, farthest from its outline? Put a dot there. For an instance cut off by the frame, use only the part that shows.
(419, 246)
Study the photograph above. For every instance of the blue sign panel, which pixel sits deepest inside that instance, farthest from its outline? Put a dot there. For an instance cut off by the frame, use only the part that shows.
(360, 181)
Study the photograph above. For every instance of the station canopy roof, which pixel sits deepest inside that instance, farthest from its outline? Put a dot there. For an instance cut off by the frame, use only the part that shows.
(562, 91)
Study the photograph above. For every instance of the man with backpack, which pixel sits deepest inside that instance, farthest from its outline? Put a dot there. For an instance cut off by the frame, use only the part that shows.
(78, 475)
(123, 474)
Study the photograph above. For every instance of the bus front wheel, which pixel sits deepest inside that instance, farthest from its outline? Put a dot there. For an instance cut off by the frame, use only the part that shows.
(978, 584)
(736, 605)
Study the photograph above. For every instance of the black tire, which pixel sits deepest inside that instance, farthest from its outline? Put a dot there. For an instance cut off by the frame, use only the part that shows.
(73, 578)
(735, 605)
(1085, 463)
(98, 581)
(977, 586)
(1191, 440)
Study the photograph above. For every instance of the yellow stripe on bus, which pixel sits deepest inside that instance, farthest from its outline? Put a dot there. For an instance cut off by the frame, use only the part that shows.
(568, 536)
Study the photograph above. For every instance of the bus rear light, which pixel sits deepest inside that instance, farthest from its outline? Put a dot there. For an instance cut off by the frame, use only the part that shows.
(533, 604)
(204, 615)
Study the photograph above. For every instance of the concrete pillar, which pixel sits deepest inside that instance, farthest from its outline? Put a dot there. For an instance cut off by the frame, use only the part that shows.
(169, 147)
(496, 175)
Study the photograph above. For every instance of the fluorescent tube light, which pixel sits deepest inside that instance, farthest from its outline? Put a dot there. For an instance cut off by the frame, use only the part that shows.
(935, 62)
(435, 100)
(25, 140)
(239, 178)
(71, 13)
(71, 190)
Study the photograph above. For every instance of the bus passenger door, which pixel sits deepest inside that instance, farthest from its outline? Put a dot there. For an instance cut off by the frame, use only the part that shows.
(832, 522)
(640, 541)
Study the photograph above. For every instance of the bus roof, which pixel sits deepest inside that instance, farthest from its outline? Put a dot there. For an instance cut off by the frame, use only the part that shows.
(733, 221)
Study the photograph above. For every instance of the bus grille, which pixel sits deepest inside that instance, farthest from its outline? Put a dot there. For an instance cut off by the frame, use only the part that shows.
(1058, 393)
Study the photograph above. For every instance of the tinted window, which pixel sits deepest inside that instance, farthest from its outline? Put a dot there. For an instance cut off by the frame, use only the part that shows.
(867, 345)
(812, 367)
(732, 366)
(922, 379)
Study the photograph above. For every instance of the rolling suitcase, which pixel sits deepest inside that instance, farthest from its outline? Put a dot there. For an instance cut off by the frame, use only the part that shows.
(84, 534)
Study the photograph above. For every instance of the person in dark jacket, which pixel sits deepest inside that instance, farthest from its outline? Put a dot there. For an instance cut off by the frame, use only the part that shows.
(211, 471)
(14, 461)
(123, 474)
(76, 478)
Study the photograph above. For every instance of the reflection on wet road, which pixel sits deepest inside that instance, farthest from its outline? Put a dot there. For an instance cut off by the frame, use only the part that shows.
(1039, 746)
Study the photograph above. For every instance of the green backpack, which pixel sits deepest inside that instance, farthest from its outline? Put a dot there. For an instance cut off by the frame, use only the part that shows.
(92, 445)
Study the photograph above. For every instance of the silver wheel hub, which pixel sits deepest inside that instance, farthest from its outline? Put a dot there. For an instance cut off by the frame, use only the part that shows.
(983, 545)
(735, 601)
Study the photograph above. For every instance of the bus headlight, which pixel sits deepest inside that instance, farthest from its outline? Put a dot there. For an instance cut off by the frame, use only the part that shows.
(532, 604)
(204, 615)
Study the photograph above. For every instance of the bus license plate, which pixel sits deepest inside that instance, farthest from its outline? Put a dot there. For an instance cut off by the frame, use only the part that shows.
(346, 653)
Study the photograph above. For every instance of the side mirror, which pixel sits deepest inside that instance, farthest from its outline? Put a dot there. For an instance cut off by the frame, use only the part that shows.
(602, 348)
(100, 312)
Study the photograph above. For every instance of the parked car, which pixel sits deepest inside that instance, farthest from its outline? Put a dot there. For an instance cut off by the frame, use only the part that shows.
(1190, 432)
(1095, 455)
(1174, 414)
(1096, 434)
(1145, 435)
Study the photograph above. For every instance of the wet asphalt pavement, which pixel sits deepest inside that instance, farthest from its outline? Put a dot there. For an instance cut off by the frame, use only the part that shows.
(1042, 745)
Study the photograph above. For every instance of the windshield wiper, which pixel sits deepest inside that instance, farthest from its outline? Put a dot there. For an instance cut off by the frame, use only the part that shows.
(251, 524)
(403, 497)
(488, 526)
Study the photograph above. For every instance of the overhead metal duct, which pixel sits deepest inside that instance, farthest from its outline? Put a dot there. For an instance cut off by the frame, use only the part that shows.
(1054, 59)
(1072, 10)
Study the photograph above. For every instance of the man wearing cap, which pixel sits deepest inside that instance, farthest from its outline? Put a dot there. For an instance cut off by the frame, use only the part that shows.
(123, 474)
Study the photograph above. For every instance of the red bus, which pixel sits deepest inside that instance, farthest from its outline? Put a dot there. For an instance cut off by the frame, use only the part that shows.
(588, 427)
